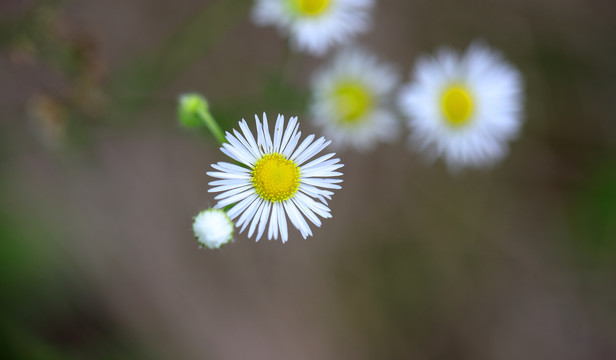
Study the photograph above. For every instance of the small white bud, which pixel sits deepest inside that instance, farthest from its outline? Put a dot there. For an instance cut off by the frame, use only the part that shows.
(213, 228)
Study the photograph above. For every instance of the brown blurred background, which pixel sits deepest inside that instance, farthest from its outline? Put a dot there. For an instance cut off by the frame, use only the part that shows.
(98, 186)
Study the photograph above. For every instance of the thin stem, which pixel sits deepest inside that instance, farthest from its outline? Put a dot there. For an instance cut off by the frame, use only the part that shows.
(212, 125)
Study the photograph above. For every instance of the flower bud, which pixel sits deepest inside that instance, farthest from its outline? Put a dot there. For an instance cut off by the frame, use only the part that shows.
(191, 108)
(213, 228)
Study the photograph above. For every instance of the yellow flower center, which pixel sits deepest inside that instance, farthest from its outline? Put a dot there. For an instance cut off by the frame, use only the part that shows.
(352, 101)
(275, 178)
(312, 7)
(457, 105)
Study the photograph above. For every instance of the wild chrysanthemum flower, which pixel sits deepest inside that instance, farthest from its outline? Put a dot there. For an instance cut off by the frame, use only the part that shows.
(275, 178)
(464, 108)
(315, 25)
(213, 228)
(349, 100)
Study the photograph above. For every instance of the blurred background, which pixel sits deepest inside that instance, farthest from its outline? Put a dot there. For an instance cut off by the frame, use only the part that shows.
(99, 184)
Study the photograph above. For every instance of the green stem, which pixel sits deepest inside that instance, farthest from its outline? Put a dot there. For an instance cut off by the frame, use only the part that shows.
(212, 125)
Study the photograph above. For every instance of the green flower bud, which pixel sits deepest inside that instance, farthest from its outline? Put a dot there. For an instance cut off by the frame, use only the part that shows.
(194, 112)
(191, 109)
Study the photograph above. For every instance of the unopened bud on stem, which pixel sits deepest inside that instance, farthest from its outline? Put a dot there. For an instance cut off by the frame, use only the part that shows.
(194, 112)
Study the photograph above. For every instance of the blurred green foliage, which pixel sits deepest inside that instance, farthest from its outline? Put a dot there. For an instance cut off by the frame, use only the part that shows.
(594, 218)
(47, 312)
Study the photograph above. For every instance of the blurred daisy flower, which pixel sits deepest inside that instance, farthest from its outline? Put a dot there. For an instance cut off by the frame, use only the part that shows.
(213, 228)
(349, 100)
(275, 179)
(315, 25)
(464, 108)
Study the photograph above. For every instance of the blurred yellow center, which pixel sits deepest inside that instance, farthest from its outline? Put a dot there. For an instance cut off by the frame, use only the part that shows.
(457, 105)
(353, 101)
(275, 178)
(312, 7)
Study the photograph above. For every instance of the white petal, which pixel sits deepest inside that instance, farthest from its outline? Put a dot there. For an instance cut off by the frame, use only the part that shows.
(318, 208)
(324, 183)
(230, 168)
(302, 146)
(240, 147)
(320, 160)
(255, 219)
(289, 132)
(264, 216)
(326, 172)
(266, 135)
(306, 211)
(248, 135)
(228, 182)
(278, 130)
(291, 145)
(272, 231)
(253, 149)
(226, 175)
(315, 192)
(313, 149)
(247, 215)
(239, 207)
(227, 187)
(232, 192)
(282, 223)
(240, 155)
(260, 137)
(235, 198)
(297, 219)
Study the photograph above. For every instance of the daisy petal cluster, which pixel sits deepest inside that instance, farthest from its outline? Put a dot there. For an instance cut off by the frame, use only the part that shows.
(277, 178)
(213, 228)
(350, 100)
(315, 25)
(464, 108)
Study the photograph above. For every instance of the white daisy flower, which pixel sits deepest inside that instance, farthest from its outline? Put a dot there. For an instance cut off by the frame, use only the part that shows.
(349, 100)
(275, 179)
(213, 228)
(315, 25)
(464, 108)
